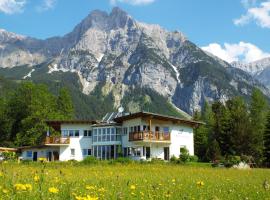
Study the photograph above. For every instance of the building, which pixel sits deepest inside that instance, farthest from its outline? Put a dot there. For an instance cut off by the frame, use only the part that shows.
(140, 136)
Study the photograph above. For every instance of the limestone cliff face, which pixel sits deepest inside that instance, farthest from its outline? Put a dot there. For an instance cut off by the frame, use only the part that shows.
(122, 53)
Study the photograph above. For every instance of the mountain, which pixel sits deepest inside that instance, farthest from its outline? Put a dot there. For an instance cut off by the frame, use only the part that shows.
(260, 70)
(112, 60)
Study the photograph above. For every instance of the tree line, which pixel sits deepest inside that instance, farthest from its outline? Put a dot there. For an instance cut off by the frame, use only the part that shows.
(24, 111)
(234, 128)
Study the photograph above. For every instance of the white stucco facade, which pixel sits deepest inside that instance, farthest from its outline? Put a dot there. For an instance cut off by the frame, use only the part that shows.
(137, 137)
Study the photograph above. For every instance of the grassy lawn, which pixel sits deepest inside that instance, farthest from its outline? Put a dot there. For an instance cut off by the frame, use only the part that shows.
(129, 181)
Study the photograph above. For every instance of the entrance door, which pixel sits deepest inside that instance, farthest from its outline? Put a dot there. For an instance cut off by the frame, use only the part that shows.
(148, 152)
(35, 156)
(49, 156)
(55, 155)
(166, 153)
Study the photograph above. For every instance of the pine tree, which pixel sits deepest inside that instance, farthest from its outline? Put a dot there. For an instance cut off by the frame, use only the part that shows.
(267, 142)
(258, 114)
(202, 132)
(221, 128)
(239, 126)
(65, 104)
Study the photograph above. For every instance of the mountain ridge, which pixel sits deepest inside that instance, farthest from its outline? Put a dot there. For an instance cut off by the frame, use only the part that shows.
(115, 54)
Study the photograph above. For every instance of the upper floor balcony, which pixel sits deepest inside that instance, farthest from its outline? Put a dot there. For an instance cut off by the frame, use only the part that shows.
(57, 140)
(150, 136)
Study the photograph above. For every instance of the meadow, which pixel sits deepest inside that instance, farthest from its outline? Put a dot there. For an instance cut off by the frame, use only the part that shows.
(130, 181)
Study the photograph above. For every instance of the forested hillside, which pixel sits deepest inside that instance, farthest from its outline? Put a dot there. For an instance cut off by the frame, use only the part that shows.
(234, 130)
(24, 109)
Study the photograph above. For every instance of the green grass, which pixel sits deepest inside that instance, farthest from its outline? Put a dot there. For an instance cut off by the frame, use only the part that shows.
(131, 181)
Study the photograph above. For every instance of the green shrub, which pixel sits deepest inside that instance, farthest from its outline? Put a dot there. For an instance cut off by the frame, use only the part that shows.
(173, 158)
(9, 155)
(184, 155)
(90, 160)
(232, 160)
(123, 160)
(193, 158)
(157, 160)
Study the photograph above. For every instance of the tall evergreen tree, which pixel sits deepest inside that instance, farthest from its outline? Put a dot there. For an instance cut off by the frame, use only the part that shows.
(239, 126)
(267, 141)
(221, 128)
(29, 106)
(258, 114)
(200, 138)
(65, 104)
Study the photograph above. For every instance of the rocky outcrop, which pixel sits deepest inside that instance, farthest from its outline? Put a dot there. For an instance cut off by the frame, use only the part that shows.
(122, 53)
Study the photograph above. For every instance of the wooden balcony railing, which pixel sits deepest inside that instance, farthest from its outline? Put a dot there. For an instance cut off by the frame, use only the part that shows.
(57, 140)
(149, 136)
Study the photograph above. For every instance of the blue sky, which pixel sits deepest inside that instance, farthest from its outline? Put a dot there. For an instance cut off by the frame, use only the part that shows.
(235, 30)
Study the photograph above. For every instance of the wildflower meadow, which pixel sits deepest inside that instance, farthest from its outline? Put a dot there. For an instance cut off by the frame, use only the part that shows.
(104, 180)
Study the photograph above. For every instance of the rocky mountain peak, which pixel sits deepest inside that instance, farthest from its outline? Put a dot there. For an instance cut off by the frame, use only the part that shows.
(6, 36)
(119, 18)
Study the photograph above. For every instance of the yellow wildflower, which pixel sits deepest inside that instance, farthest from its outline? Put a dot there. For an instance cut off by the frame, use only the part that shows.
(132, 187)
(200, 183)
(1, 174)
(36, 178)
(28, 187)
(86, 198)
(101, 189)
(53, 190)
(89, 187)
(173, 180)
(20, 187)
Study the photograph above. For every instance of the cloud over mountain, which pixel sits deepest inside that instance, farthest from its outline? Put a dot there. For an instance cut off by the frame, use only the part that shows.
(245, 52)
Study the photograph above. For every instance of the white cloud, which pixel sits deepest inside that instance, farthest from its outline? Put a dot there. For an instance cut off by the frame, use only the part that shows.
(245, 52)
(249, 3)
(46, 5)
(261, 15)
(133, 2)
(12, 6)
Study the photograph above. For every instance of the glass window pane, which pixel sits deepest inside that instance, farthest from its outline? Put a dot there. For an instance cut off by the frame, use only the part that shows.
(77, 133)
(112, 131)
(85, 133)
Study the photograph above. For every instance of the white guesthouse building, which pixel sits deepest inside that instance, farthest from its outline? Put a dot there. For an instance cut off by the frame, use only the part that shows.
(141, 135)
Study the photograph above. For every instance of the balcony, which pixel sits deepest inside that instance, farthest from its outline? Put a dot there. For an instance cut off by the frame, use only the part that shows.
(149, 136)
(57, 141)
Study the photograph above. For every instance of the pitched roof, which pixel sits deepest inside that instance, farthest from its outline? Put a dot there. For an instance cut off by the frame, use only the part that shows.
(157, 116)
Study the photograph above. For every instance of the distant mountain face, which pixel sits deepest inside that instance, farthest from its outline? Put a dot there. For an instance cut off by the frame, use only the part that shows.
(260, 70)
(115, 54)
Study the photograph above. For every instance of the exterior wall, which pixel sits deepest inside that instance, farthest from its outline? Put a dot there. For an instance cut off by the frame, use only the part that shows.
(77, 143)
(181, 136)
(127, 124)
(41, 152)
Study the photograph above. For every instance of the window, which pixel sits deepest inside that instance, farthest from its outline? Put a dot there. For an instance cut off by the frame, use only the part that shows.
(71, 133)
(29, 154)
(131, 129)
(166, 129)
(125, 131)
(136, 151)
(127, 151)
(144, 128)
(77, 133)
(87, 133)
(72, 152)
(87, 152)
(64, 133)
(95, 135)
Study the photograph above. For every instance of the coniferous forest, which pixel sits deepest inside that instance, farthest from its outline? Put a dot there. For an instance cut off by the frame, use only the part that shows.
(24, 111)
(235, 129)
